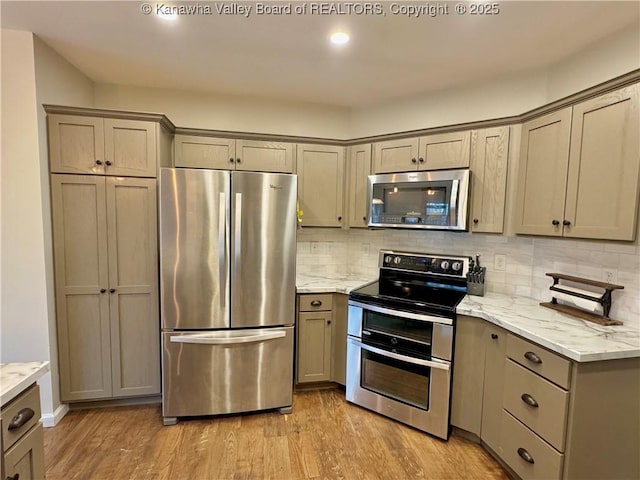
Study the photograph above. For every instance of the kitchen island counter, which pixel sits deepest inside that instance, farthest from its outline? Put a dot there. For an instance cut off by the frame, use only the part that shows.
(17, 377)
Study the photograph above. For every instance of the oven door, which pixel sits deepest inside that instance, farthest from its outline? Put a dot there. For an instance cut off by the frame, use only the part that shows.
(411, 390)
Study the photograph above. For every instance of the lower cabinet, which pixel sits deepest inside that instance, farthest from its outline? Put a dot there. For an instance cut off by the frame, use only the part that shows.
(543, 415)
(322, 338)
(22, 437)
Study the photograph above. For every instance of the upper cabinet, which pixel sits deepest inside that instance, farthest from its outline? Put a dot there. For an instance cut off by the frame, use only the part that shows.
(229, 154)
(320, 170)
(489, 157)
(102, 146)
(581, 180)
(604, 163)
(431, 152)
(359, 158)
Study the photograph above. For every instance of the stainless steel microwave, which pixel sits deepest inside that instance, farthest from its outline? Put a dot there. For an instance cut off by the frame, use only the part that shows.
(425, 200)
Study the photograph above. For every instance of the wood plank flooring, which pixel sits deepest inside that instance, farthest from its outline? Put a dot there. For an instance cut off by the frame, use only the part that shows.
(325, 437)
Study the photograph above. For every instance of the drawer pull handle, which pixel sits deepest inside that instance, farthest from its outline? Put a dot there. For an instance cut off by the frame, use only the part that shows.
(532, 357)
(22, 417)
(494, 336)
(316, 303)
(529, 400)
(526, 456)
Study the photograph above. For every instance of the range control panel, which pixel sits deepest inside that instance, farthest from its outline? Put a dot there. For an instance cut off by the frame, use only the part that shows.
(425, 263)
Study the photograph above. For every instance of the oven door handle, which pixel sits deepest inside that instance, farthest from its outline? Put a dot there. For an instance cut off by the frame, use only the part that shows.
(396, 356)
(400, 313)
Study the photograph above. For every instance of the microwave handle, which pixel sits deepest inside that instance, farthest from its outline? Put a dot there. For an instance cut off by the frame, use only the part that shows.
(401, 358)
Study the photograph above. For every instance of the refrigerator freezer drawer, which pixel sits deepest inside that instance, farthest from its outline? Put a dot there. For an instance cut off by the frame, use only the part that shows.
(226, 371)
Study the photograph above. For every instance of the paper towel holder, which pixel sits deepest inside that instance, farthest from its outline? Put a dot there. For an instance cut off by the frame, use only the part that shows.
(603, 299)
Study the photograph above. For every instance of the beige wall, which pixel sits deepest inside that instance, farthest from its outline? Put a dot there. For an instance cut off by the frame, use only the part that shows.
(222, 112)
(608, 58)
(24, 312)
(32, 74)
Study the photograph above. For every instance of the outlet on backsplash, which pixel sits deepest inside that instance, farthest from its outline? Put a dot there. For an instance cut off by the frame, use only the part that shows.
(610, 276)
(499, 262)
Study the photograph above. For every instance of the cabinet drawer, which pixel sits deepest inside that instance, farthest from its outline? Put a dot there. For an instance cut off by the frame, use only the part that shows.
(526, 453)
(545, 363)
(24, 411)
(548, 414)
(312, 303)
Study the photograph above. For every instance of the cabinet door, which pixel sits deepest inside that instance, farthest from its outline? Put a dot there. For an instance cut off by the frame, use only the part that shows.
(82, 298)
(395, 155)
(489, 179)
(205, 152)
(604, 166)
(257, 156)
(25, 460)
(133, 286)
(542, 174)
(314, 346)
(445, 150)
(468, 374)
(320, 171)
(76, 144)
(359, 170)
(130, 148)
(495, 339)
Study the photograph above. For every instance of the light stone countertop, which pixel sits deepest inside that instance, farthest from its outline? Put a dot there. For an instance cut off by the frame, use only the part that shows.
(572, 337)
(15, 378)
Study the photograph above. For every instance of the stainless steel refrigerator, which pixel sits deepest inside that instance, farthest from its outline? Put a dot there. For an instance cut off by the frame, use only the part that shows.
(228, 251)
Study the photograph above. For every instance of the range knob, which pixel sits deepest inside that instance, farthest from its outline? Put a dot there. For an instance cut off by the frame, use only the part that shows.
(444, 265)
(456, 266)
(387, 259)
(397, 260)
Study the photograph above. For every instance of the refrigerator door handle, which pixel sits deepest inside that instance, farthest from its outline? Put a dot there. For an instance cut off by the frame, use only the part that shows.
(238, 237)
(214, 339)
(222, 248)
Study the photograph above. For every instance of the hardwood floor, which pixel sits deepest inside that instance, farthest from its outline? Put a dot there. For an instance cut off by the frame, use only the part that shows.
(324, 437)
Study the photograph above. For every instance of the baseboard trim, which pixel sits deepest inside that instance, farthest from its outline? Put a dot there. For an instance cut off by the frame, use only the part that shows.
(52, 419)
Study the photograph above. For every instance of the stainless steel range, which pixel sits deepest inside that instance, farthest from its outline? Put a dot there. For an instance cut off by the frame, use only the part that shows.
(400, 338)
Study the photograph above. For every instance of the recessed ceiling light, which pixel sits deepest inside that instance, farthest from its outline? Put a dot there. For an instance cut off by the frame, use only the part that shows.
(339, 38)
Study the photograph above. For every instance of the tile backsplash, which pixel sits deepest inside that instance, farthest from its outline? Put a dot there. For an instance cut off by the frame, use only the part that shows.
(527, 259)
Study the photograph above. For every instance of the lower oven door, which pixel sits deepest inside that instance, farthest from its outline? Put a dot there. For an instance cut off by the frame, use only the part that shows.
(411, 390)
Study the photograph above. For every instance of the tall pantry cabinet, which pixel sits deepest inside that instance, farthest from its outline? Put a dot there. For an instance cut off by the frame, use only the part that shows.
(104, 216)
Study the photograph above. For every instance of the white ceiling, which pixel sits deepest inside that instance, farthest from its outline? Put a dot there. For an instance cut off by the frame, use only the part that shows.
(289, 57)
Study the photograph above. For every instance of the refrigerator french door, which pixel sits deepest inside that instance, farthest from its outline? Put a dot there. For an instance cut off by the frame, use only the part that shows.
(227, 249)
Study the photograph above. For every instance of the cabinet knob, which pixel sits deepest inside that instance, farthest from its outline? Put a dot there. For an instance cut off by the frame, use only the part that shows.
(475, 221)
(532, 357)
(566, 223)
(529, 400)
(526, 456)
(413, 160)
(555, 223)
(107, 163)
(364, 219)
(316, 303)
(14, 477)
(103, 290)
(328, 322)
(339, 219)
(238, 160)
(112, 290)
(98, 162)
(494, 336)
(231, 160)
(421, 160)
